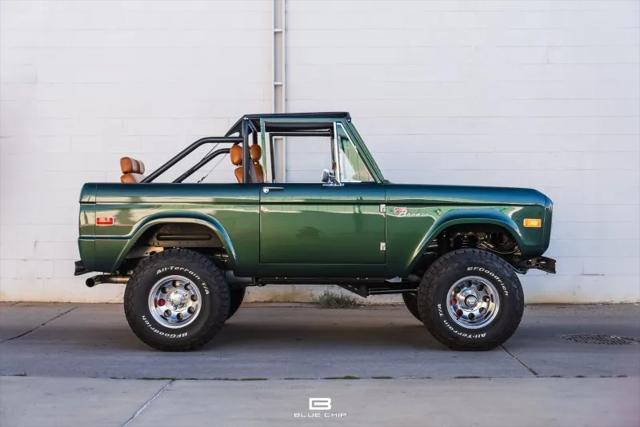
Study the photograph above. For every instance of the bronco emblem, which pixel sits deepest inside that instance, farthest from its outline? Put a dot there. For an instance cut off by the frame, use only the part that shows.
(400, 211)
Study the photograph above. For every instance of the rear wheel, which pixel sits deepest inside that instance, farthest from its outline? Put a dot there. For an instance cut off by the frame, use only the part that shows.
(176, 300)
(470, 299)
(411, 301)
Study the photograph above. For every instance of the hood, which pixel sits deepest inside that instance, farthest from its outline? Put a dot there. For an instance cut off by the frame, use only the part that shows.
(465, 195)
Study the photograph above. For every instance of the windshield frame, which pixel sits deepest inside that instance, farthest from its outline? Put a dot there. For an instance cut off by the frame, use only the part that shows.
(304, 125)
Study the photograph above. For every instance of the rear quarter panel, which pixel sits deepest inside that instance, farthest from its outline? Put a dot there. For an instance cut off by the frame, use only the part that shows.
(230, 209)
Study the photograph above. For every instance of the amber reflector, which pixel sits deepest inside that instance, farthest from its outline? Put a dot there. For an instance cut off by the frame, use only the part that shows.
(532, 222)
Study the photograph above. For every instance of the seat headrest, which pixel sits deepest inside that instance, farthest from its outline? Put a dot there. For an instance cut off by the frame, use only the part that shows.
(131, 165)
(235, 154)
(255, 152)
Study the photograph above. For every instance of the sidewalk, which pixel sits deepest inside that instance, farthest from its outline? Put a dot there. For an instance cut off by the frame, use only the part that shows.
(74, 364)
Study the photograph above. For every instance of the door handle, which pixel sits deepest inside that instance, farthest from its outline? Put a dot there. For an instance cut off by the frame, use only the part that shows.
(266, 190)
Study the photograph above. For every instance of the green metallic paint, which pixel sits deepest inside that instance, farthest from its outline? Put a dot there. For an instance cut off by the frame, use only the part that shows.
(322, 224)
(417, 214)
(229, 210)
(309, 230)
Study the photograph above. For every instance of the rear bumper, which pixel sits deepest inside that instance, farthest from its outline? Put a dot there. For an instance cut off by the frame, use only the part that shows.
(80, 268)
(539, 263)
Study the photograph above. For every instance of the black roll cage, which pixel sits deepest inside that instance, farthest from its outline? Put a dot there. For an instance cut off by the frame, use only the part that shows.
(184, 153)
(244, 127)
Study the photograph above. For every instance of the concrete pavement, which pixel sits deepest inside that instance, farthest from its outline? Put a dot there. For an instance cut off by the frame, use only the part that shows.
(74, 364)
(504, 402)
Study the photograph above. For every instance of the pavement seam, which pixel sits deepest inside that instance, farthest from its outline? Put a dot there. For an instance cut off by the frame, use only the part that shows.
(148, 402)
(57, 316)
(531, 370)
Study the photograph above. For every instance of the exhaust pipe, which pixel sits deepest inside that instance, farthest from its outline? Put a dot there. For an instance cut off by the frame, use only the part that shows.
(106, 278)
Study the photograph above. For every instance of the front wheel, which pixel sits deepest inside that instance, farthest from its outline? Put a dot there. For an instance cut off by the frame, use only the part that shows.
(470, 299)
(176, 300)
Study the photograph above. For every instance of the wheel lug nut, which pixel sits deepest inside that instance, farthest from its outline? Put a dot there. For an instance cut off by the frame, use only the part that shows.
(191, 310)
(194, 298)
(485, 299)
(163, 290)
(167, 313)
(471, 316)
(179, 316)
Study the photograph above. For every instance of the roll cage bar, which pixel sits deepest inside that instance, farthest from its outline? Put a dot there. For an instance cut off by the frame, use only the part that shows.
(254, 119)
(184, 153)
(251, 125)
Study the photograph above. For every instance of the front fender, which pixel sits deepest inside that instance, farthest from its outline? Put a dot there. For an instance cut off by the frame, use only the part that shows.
(505, 217)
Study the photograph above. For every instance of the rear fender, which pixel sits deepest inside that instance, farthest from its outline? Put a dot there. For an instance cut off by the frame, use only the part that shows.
(191, 218)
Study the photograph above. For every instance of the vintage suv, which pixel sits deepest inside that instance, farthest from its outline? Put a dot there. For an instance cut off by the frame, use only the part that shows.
(187, 249)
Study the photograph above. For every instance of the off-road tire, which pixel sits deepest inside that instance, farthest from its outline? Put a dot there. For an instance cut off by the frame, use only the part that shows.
(201, 271)
(411, 301)
(237, 295)
(433, 294)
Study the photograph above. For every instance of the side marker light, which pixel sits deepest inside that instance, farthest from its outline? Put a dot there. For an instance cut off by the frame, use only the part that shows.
(104, 221)
(532, 222)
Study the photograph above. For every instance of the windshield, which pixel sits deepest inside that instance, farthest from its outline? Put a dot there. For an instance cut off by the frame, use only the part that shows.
(352, 166)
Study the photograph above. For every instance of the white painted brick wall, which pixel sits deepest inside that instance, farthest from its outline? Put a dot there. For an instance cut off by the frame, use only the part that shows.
(541, 94)
(83, 83)
(536, 93)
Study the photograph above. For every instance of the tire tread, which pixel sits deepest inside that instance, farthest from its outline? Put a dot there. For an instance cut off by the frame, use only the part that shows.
(427, 296)
(179, 256)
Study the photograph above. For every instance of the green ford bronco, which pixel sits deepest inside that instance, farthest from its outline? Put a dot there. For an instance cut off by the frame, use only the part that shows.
(187, 248)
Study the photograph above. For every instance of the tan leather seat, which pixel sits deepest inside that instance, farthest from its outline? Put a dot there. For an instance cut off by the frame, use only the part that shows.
(132, 170)
(235, 155)
(256, 152)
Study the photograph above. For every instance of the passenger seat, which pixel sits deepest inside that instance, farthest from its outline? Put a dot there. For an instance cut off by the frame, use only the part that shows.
(235, 155)
(256, 152)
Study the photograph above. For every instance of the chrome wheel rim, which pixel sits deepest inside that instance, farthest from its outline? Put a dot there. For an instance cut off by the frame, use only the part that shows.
(175, 301)
(473, 302)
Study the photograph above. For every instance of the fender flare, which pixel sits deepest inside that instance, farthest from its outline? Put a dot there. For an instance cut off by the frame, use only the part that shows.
(177, 217)
(467, 217)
